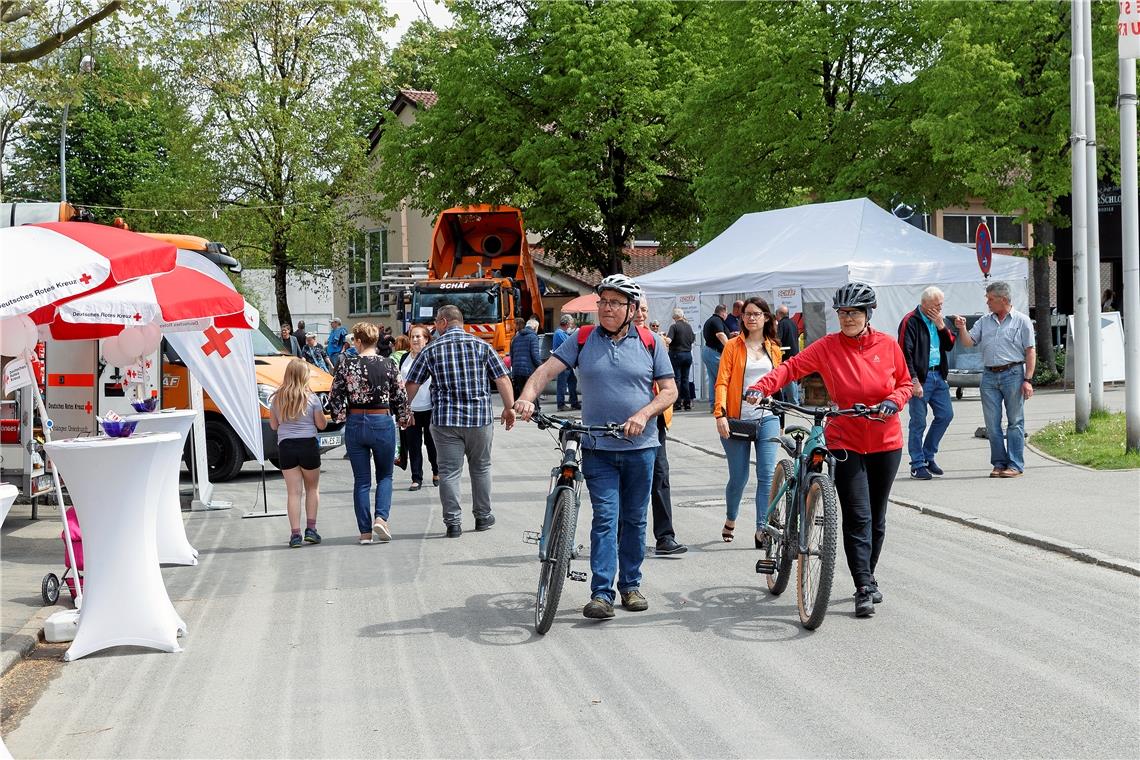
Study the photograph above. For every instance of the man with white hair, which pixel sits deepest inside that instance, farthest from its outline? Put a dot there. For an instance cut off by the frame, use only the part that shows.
(567, 380)
(926, 339)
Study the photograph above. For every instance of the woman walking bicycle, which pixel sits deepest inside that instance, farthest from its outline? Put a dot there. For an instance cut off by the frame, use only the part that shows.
(745, 360)
(859, 365)
(297, 416)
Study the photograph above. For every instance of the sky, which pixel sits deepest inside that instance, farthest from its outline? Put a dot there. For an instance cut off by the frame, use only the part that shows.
(408, 11)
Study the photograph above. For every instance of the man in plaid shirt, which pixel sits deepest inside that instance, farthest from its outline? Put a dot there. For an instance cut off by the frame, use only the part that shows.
(461, 368)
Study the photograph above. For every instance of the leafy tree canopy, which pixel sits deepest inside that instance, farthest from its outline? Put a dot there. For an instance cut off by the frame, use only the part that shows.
(563, 109)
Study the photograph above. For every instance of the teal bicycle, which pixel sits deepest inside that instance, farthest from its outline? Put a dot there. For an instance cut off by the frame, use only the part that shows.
(802, 521)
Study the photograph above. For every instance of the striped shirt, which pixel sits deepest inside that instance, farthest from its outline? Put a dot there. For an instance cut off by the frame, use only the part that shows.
(461, 368)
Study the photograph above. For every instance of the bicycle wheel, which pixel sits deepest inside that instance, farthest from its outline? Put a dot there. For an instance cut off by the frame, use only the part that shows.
(817, 567)
(553, 572)
(777, 549)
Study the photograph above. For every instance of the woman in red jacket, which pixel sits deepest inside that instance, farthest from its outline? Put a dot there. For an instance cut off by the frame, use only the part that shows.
(859, 365)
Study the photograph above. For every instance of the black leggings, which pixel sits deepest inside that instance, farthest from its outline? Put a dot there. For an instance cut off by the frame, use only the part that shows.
(414, 439)
(864, 484)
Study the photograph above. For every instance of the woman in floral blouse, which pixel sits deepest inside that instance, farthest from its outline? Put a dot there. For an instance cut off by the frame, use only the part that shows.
(366, 391)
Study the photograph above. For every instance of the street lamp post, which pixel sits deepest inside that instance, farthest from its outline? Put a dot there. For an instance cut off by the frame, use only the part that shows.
(86, 66)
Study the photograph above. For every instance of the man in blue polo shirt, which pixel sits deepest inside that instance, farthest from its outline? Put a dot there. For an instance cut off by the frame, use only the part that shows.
(1009, 356)
(617, 371)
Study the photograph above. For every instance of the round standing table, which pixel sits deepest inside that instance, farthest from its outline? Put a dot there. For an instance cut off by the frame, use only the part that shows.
(115, 485)
(173, 546)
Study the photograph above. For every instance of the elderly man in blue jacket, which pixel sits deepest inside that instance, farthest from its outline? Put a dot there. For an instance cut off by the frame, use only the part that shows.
(525, 354)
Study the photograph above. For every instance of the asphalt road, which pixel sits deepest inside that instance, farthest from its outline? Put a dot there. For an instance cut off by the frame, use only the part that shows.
(425, 647)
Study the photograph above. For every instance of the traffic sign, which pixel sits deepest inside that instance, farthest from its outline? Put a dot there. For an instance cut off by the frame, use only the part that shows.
(984, 249)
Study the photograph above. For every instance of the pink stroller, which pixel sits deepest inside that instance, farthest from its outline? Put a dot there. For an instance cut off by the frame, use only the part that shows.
(49, 589)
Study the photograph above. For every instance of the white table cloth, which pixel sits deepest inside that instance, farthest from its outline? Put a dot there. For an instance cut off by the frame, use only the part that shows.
(8, 494)
(115, 484)
(173, 546)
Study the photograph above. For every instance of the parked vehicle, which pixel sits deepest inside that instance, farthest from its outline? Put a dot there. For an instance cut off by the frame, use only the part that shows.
(480, 262)
(965, 363)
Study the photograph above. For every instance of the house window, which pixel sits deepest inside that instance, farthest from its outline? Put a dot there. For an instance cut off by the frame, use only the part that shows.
(367, 254)
(1004, 230)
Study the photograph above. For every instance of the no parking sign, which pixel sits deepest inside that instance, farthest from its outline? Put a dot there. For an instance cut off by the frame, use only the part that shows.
(984, 248)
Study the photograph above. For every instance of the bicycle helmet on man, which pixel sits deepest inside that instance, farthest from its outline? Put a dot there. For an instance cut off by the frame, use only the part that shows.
(625, 285)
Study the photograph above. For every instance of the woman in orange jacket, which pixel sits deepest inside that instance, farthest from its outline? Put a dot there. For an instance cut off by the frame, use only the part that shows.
(858, 365)
(745, 360)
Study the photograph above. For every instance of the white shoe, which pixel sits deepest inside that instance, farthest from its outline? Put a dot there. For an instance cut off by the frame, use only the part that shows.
(380, 531)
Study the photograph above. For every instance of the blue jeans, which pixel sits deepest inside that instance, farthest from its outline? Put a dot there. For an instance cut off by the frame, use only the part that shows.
(711, 360)
(793, 389)
(682, 362)
(1000, 388)
(567, 380)
(936, 395)
(370, 437)
(738, 453)
(619, 484)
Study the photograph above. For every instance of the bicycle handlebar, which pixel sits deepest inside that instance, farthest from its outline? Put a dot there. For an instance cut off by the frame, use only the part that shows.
(544, 421)
(858, 410)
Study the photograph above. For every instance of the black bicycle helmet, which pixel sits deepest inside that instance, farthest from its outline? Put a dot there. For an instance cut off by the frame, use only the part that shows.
(855, 295)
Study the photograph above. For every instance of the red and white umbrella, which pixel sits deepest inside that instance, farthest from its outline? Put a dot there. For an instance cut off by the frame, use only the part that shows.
(178, 301)
(582, 304)
(54, 262)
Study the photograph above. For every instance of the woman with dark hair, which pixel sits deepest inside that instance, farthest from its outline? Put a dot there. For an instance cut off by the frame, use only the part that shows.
(745, 360)
(417, 436)
(858, 365)
(367, 392)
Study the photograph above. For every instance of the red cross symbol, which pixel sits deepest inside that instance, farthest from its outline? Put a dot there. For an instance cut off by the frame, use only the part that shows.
(137, 316)
(216, 341)
(85, 278)
(87, 407)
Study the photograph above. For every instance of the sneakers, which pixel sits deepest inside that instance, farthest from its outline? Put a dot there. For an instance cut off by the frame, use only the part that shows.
(484, 523)
(311, 536)
(921, 473)
(876, 595)
(454, 531)
(670, 545)
(381, 533)
(634, 601)
(1009, 472)
(598, 608)
(563, 408)
(295, 541)
(934, 469)
(864, 602)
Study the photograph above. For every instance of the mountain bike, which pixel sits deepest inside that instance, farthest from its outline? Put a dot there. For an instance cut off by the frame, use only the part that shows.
(802, 521)
(556, 545)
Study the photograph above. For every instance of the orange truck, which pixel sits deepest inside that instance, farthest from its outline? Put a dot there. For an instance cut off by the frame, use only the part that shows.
(480, 262)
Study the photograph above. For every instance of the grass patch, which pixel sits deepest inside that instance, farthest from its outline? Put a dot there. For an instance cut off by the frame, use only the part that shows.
(1101, 446)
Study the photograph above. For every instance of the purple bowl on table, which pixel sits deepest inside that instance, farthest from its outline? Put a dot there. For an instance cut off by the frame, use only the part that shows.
(146, 405)
(121, 429)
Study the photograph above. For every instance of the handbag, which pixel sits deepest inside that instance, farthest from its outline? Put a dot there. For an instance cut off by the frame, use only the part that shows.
(741, 430)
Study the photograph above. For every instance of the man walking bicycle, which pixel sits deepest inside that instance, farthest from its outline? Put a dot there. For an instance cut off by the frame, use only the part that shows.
(617, 370)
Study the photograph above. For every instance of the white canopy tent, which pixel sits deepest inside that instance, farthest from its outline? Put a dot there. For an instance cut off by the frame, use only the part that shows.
(819, 247)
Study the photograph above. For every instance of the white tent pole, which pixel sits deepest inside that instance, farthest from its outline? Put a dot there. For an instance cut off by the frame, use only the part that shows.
(1130, 251)
(1080, 353)
(1096, 367)
(58, 488)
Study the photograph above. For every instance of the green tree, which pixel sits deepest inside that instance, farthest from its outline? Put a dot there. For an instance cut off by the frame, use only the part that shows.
(280, 86)
(563, 109)
(46, 26)
(998, 113)
(131, 142)
(797, 101)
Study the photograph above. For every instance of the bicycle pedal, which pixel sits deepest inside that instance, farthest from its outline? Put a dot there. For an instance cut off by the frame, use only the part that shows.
(766, 566)
(531, 536)
(577, 575)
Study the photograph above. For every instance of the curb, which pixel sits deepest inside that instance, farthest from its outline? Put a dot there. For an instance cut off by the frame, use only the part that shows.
(1086, 468)
(1084, 554)
(1081, 553)
(21, 643)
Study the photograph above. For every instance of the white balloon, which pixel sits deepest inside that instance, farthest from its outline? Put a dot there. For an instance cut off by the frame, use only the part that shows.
(113, 353)
(133, 342)
(32, 331)
(153, 338)
(17, 335)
